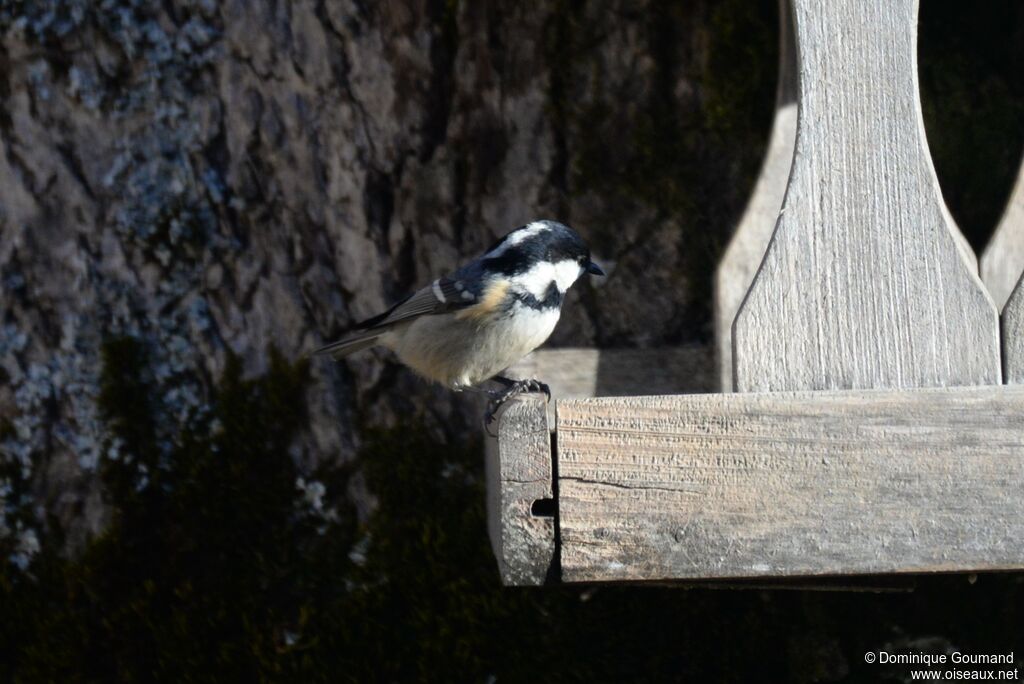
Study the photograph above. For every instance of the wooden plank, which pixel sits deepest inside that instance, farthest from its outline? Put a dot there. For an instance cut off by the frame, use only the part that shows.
(1013, 336)
(518, 465)
(791, 484)
(864, 283)
(1003, 259)
(746, 248)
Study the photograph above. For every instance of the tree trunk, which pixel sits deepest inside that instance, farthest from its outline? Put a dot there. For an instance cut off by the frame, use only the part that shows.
(222, 178)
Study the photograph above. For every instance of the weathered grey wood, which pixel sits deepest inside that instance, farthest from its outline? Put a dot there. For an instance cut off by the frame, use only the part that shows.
(863, 283)
(577, 373)
(746, 248)
(519, 462)
(1003, 259)
(518, 473)
(791, 484)
(1013, 336)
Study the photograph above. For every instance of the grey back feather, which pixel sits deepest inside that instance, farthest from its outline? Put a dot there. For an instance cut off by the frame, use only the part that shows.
(444, 295)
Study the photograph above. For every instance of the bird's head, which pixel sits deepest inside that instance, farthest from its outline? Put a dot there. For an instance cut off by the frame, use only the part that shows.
(542, 255)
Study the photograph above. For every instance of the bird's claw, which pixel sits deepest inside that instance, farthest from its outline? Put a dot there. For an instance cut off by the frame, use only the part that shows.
(515, 389)
(537, 386)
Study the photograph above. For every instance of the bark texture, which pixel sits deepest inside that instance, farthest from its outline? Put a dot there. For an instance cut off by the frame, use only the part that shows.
(218, 178)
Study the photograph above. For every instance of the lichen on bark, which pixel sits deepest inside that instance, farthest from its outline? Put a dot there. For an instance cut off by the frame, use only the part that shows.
(210, 178)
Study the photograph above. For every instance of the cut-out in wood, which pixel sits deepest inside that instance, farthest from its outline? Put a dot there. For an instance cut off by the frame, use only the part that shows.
(791, 484)
(1003, 259)
(746, 248)
(864, 283)
(1013, 336)
(519, 474)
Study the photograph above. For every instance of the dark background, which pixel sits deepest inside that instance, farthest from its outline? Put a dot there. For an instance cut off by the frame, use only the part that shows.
(194, 194)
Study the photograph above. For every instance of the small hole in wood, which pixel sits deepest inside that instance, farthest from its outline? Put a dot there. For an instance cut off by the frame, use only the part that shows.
(543, 508)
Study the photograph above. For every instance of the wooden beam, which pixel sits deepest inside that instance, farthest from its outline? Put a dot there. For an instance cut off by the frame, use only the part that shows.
(519, 466)
(791, 484)
(865, 282)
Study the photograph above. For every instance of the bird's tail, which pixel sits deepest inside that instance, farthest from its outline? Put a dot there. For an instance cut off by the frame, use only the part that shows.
(350, 345)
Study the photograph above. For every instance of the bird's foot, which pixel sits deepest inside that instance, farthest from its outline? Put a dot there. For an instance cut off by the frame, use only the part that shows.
(513, 388)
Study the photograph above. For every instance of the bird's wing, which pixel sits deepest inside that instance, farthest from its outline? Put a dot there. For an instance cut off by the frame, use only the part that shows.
(444, 295)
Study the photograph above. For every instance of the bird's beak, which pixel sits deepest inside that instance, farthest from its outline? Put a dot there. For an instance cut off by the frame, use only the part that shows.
(594, 269)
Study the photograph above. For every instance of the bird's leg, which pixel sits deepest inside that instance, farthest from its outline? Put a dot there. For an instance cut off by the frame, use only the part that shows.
(519, 386)
(473, 390)
(512, 388)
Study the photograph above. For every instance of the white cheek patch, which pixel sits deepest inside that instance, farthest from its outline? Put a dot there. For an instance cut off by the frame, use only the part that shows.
(566, 273)
(538, 279)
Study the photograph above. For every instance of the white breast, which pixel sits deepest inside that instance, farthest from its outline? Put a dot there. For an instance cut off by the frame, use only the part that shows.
(460, 353)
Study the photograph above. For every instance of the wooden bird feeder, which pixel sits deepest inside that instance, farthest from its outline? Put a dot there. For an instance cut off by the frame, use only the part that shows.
(861, 424)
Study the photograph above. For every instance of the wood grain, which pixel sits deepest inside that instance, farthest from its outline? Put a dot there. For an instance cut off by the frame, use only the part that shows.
(519, 472)
(864, 283)
(1003, 259)
(748, 244)
(1013, 336)
(791, 484)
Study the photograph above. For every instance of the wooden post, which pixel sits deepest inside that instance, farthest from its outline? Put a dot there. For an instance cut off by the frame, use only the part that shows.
(1003, 260)
(521, 503)
(864, 283)
(520, 479)
(749, 242)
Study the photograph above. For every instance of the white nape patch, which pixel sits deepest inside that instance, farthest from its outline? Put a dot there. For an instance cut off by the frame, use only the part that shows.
(436, 287)
(538, 279)
(467, 295)
(517, 236)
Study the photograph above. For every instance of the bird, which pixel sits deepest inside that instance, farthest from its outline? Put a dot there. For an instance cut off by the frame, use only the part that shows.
(465, 328)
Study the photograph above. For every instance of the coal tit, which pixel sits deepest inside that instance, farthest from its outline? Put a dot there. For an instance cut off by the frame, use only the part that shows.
(467, 327)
